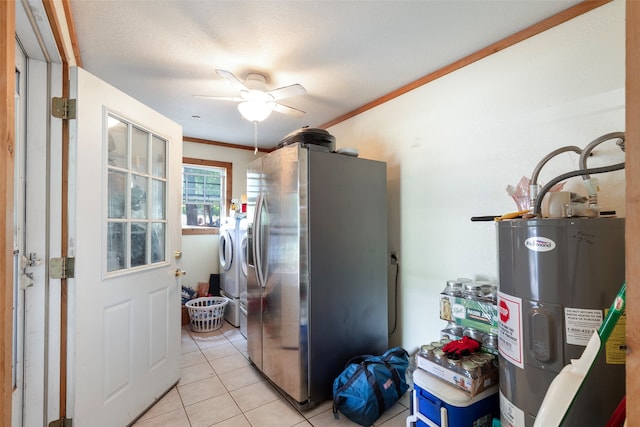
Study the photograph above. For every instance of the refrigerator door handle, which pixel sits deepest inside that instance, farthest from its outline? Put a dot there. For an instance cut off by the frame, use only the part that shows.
(258, 242)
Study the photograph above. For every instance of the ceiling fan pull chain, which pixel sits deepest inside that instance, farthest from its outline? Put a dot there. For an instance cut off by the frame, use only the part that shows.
(255, 138)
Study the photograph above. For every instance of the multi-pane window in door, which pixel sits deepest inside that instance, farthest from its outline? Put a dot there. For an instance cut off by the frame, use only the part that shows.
(136, 222)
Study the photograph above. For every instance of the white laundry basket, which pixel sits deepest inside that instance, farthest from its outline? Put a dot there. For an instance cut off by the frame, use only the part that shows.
(206, 313)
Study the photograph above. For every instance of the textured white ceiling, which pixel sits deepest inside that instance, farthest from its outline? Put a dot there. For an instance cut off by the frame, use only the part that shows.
(345, 53)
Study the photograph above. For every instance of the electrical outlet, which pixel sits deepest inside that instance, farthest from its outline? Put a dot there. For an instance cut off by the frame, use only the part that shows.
(394, 258)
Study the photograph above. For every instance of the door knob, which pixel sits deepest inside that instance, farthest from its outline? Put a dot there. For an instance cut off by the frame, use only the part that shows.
(179, 272)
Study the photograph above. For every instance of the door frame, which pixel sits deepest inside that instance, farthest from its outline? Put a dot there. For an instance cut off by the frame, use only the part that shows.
(632, 226)
(49, 388)
(7, 113)
(7, 120)
(39, 303)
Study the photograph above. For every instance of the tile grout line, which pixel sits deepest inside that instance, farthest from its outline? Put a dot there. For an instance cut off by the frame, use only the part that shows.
(228, 392)
(236, 343)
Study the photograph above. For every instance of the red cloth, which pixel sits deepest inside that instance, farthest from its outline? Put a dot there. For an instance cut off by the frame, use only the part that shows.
(462, 347)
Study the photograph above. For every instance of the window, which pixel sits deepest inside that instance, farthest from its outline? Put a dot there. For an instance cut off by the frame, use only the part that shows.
(202, 195)
(206, 194)
(136, 219)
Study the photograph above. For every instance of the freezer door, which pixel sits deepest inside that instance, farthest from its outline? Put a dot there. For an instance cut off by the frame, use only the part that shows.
(255, 179)
(284, 253)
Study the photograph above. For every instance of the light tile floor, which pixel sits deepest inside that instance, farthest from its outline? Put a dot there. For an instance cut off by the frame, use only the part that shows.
(219, 387)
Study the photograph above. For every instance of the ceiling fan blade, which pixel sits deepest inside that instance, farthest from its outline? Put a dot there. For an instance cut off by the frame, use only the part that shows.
(220, 98)
(289, 111)
(231, 78)
(287, 91)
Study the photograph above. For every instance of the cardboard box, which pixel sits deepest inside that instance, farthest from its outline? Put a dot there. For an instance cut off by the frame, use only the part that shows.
(479, 315)
(471, 386)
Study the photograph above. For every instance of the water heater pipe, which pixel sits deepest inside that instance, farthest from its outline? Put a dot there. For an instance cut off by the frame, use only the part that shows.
(591, 183)
(534, 187)
(587, 150)
(537, 196)
(580, 172)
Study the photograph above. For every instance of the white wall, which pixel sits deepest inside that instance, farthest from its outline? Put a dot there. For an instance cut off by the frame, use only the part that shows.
(200, 252)
(453, 145)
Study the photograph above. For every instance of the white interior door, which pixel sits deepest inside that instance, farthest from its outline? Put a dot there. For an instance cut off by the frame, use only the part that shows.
(124, 231)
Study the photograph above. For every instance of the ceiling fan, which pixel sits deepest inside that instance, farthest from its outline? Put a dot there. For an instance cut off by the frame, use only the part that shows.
(255, 102)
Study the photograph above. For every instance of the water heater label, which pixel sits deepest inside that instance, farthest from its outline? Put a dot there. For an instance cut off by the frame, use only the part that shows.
(617, 342)
(510, 342)
(510, 414)
(580, 324)
(540, 244)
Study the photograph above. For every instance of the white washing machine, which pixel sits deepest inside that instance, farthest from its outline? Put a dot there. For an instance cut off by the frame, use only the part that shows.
(229, 269)
(226, 252)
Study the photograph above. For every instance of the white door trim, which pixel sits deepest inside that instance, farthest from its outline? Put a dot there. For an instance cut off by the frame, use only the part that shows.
(41, 308)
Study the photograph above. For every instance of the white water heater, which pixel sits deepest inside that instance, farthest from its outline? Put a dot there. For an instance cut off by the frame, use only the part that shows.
(557, 277)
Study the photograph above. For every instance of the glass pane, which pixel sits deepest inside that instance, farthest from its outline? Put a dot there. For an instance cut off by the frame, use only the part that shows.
(118, 147)
(192, 187)
(139, 197)
(138, 244)
(158, 156)
(212, 214)
(117, 194)
(139, 150)
(201, 215)
(190, 214)
(157, 200)
(136, 196)
(202, 185)
(116, 246)
(212, 187)
(157, 242)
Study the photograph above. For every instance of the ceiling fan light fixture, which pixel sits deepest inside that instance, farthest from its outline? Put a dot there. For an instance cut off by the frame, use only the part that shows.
(255, 111)
(257, 104)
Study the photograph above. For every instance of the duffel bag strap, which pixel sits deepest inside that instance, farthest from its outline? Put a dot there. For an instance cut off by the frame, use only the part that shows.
(395, 376)
(358, 359)
(337, 399)
(400, 353)
(396, 352)
(371, 379)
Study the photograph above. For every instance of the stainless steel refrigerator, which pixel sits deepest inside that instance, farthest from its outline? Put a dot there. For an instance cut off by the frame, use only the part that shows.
(317, 266)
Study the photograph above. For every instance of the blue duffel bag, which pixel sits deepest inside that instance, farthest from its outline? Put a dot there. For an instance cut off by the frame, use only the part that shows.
(369, 385)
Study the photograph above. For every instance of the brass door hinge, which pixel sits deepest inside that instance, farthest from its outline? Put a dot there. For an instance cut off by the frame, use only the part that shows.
(63, 108)
(62, 268)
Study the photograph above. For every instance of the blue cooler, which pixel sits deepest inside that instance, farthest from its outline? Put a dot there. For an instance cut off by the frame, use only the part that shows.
(438, 404)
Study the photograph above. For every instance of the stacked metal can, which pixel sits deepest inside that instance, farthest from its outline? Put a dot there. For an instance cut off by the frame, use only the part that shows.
(479, 290)
(473, 366)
